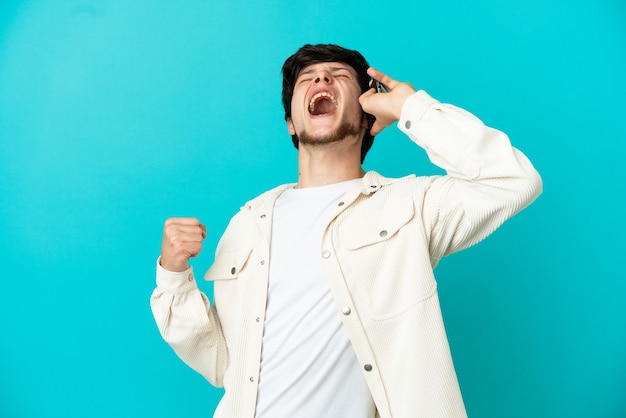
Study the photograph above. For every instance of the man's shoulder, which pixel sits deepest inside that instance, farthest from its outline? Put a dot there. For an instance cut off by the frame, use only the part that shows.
(409, 187)
(253, 214)
(262, 203)
(374, 180)
(268, 197)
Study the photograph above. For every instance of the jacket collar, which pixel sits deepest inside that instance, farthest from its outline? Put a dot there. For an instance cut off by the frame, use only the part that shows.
(264, 203)
(372, 182)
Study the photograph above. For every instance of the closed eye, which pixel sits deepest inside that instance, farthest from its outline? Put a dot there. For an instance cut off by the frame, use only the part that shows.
(343, 74)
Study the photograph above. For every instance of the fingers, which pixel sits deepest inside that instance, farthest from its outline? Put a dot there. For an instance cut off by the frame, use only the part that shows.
(185, 225)
(376, 128)
(183, 221)
(387, 81)
(367, 94)
(187, 233)
(182, 239)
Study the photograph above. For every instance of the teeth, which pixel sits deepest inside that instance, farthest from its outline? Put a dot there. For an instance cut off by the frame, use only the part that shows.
(318, 96)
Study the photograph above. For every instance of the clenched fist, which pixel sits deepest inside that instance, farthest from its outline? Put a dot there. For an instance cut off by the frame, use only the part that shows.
(182, 239)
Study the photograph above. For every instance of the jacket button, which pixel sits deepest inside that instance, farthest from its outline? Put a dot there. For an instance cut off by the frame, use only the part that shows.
(383, 233)
(263, 216)
(407, 124)
(233, 270)
(346, 310)
(368, 367)
(340, 204)
(326, 254)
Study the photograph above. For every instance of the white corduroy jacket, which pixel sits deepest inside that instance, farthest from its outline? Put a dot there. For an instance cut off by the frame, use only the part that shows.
(378, 251)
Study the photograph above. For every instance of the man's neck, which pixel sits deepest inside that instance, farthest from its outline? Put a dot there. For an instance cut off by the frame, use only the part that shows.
(330, 164)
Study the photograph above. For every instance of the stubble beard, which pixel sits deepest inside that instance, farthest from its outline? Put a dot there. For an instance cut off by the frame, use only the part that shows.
(343, 131)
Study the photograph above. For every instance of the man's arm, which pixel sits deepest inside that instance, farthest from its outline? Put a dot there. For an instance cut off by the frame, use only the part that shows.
(487, 181)
(183, 313)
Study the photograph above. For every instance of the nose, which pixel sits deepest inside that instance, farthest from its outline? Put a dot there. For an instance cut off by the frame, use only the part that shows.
(323, 75)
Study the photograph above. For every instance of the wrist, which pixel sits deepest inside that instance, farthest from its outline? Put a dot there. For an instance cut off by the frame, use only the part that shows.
(176, 266)
(401, 98)
(173, 281)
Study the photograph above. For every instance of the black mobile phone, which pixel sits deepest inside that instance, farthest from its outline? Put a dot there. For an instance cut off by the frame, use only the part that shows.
(380, 88)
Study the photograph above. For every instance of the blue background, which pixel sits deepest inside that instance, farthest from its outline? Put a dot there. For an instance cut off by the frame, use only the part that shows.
(115, 115)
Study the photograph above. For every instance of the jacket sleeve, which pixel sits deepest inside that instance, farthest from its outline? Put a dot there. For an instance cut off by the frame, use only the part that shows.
(487, 181)
(189, 324)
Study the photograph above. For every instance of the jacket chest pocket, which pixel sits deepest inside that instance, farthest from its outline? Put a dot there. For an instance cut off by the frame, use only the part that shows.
(228, 263)
(387, 259)
(364, 230)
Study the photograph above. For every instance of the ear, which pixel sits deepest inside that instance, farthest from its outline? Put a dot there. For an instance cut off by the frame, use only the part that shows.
(290, 128)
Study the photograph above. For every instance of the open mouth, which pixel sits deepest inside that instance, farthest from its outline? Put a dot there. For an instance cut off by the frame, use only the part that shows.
(322, 103)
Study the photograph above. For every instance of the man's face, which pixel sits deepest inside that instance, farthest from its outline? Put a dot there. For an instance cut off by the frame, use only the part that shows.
(325, 104)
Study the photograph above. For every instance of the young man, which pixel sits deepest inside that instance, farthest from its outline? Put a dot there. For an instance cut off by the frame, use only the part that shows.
(325, 300)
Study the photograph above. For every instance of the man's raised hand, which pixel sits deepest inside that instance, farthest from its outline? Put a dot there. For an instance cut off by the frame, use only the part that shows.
(386, 106)
(182, 239)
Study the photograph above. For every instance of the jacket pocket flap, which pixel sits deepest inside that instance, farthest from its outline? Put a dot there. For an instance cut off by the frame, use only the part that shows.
(228, 263)
(379, 227)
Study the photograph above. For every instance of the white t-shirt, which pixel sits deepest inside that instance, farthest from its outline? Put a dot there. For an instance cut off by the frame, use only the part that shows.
(308, 367)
